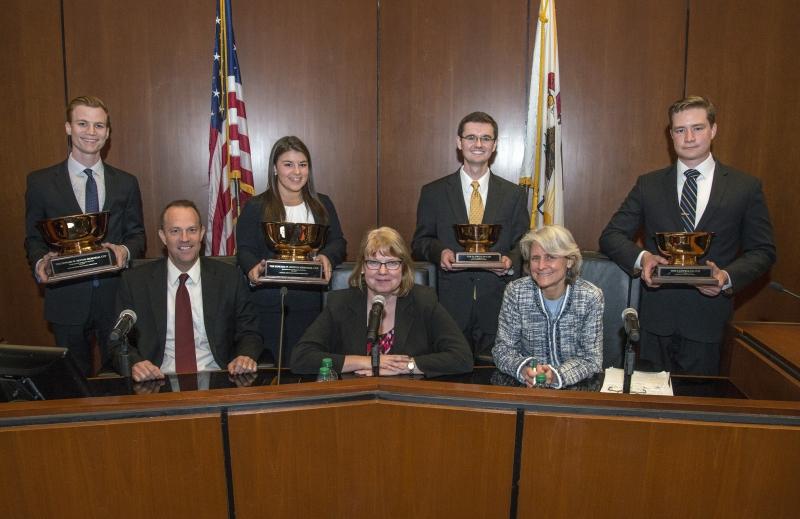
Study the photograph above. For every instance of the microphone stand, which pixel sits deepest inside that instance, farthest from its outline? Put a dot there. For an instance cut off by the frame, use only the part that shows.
(124, 363)
(284, 290)
(376, 359)
(630, 363)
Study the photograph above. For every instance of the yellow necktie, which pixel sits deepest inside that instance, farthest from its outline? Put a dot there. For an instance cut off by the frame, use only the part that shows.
(475, 204)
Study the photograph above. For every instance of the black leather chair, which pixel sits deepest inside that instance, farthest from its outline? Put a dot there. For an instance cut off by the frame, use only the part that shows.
(424, 274)
(231, 260)
(620, 292)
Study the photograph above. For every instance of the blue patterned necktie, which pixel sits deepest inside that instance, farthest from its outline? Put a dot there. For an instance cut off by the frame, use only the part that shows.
(689, 199)
(92, 201)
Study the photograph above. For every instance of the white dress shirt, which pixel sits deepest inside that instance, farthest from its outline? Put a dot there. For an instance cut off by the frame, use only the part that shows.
(78, 180)
(205, 360)
(466, 187)
(704, 181)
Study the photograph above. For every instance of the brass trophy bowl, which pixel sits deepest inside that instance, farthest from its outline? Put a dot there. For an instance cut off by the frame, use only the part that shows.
(683, 248)
(294, 241)
(477, 237)
(79, 239)
(75, 234)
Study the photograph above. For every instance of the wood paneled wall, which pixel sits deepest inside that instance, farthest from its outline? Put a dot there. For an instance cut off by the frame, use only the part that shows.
(376, 90)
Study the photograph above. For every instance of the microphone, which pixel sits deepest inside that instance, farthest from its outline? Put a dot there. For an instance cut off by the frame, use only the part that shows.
(373, 325)
(631, 319)
(284, 291)
(774, 285)
(126, 320)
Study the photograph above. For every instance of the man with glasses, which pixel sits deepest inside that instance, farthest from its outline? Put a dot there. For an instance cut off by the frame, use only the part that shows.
(473, 194)
(683, 326)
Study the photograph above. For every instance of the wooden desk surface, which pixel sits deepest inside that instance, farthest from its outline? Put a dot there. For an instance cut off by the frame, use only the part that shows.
(782, 338)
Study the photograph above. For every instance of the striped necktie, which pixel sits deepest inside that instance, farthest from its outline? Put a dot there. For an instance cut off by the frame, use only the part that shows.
(689, 199)
(92, 201)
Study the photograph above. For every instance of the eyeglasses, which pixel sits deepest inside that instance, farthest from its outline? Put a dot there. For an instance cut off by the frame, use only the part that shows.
(472, 139)
(548, 258)
(376, 265)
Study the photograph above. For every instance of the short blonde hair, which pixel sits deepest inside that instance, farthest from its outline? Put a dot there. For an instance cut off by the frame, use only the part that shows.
(555, 240)
(387, 242)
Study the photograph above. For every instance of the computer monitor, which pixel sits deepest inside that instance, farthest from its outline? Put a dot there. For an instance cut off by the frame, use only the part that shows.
(39, 373)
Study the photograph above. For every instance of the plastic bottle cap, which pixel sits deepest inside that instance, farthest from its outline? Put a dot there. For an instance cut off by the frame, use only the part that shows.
(328, 362)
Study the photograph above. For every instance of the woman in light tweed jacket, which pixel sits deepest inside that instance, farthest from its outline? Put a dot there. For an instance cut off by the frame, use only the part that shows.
(552, 319)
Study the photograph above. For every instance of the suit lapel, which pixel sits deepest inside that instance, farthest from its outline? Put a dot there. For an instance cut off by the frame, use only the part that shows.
(111, 185)
(493, 199)
(403, 321)
(356, 306)
(157, 293)
(670, 186)
(718, 188)
(456, 198)
(211, 289)
(64, 185)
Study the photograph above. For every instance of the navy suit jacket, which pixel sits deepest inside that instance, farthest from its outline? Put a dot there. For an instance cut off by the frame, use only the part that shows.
(441, 205)
(742, 245)
(49, 195)
(230, 318)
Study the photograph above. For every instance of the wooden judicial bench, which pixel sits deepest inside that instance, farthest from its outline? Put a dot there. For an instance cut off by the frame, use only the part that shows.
(401, 447)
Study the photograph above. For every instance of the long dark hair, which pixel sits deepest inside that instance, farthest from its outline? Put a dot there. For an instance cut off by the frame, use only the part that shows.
(273, 205)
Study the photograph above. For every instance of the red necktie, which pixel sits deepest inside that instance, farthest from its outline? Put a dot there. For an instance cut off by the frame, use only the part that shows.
(185, 358)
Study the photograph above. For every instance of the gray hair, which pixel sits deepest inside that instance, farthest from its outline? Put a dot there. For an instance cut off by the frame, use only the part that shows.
(555, 240)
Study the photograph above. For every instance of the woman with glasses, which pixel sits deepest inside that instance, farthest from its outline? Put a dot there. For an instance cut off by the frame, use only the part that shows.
(290, 197)
(416, 335)
(551, 322)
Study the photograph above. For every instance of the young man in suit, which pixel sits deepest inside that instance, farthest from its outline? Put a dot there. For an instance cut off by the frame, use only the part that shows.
(81, 310)
(682, 325)
(472, 296)
(193, 313)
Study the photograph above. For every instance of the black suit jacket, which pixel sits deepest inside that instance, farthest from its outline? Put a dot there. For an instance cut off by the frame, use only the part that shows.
(49, 195)
(441, 205)
(423, 330)
(230, 318)
(252, 248)
(742, 245)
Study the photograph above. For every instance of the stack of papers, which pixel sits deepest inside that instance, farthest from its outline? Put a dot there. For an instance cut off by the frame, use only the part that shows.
(642, 382)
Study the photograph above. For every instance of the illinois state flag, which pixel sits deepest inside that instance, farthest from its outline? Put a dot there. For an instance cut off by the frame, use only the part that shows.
(230, 173)
(541, 165)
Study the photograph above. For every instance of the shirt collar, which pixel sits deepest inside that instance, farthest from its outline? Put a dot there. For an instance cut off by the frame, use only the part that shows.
(173, 273)
(706, 168)
(76, 168)
(466, 181)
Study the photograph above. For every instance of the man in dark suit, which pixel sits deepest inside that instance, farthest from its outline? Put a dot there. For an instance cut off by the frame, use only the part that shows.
(683, 326)
(472, 296)
(220, 326)
(82, 309)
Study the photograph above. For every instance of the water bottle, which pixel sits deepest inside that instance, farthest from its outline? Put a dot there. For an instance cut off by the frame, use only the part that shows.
(324, 374)
(328, 362)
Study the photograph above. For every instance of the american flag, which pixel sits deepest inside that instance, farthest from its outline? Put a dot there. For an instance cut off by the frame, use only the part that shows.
(230, 173)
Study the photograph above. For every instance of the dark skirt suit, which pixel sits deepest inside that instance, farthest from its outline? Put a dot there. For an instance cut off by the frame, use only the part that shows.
(303, 303)
(423, 330)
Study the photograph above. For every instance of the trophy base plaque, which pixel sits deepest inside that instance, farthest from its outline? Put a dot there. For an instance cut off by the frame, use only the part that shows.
(284, 272)
(478, 260)
(82, 265)
(684, 275)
